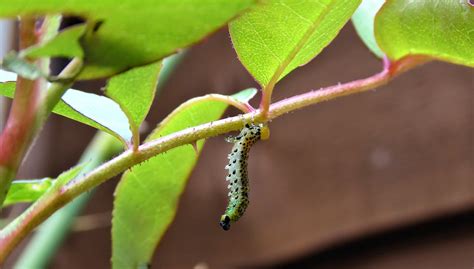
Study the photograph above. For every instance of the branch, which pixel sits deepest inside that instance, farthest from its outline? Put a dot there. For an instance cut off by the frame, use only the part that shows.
(17, 135)
(31, 104)
(31, 107)
(44, 244)
(244, 107)
(43, 208)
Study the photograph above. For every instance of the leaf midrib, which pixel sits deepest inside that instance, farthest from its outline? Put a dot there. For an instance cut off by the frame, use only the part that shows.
(305, 38)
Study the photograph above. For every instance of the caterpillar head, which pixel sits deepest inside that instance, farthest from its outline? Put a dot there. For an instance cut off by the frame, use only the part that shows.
(225, 222)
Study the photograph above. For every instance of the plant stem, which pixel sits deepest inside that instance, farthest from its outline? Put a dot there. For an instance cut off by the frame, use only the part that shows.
(57, 89)
(44, 244)
(50, 235)
(244, 107)
(42, 209)
(18, 135)
(31, 106)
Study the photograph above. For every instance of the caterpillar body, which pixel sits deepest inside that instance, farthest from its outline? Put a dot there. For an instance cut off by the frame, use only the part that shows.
(237, 177)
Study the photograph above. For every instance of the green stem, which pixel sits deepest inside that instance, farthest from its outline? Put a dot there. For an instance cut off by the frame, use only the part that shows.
(11, 235)
(57, 89)
(44, 244)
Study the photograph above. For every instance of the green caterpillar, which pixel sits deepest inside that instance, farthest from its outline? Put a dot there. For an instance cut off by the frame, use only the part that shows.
(237, 177)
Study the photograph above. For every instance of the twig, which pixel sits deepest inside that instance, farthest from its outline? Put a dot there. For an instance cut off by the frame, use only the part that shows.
(16, 231)
(18, 133)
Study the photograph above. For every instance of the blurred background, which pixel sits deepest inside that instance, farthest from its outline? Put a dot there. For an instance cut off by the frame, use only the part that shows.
(384, 179)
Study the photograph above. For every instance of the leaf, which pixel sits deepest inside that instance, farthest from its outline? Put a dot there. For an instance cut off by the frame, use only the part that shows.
(134, 91)
(7, 89)
(26, 191)
(244, 96)
(94, 110)
(281, 35)
(439, 29)
(65, 44)
(13, 62)
(67, 176)
(148, 194)
(363, 20)
(50, 27)
(97, 111)
(62, 179)
(169, 65)
(134, 34)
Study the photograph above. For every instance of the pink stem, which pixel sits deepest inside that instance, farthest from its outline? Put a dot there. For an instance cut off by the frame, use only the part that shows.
(46, 207)
(19, 129)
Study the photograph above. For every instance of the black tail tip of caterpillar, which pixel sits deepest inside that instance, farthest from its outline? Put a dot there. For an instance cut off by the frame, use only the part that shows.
(225, 222)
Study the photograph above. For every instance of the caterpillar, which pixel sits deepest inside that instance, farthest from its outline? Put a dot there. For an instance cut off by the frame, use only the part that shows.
(237, 176)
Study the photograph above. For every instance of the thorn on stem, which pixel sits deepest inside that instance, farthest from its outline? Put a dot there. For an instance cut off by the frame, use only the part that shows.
(195, 147)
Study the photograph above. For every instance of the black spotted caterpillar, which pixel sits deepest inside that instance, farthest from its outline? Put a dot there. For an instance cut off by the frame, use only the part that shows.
(237, 177)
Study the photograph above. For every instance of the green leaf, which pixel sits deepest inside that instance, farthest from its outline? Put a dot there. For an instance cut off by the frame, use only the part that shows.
(97, 111)
(65, 44)
(148, 194)
(67, 176)
(134, 91)
(281, 35)
(94, 110)
(7, 89)
(245, 96)
(135, 33)
(363, 20)
(439, 29)
(13, 62)
(26, 191)
(169, 65)
(62, 179)
(50, 26)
